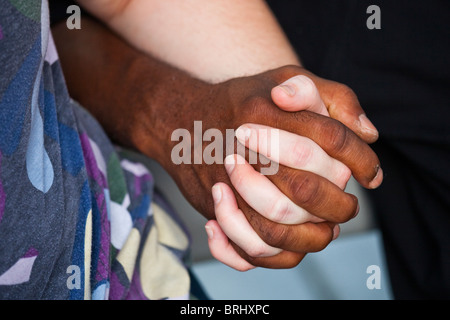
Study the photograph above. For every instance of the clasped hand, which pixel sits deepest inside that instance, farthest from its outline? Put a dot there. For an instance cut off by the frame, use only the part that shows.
(274, 220)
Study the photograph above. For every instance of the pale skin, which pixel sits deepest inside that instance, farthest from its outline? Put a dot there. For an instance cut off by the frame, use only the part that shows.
(240, 38)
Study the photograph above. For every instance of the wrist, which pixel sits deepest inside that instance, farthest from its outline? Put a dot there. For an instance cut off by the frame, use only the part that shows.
(172, 102)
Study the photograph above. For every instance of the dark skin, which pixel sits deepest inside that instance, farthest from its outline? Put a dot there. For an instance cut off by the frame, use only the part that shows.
(140, 101)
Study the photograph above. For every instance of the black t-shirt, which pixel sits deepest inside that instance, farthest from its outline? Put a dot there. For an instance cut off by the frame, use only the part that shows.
(402, 78)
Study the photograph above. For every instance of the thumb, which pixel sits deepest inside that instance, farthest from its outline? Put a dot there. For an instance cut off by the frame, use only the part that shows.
(298, 93)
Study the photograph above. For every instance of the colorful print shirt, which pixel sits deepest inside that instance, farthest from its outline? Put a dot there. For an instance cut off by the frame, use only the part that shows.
(78, 218)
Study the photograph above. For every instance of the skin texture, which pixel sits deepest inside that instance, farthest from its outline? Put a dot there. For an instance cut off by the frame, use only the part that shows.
(219, 40)
(159, 98)
(211, 40)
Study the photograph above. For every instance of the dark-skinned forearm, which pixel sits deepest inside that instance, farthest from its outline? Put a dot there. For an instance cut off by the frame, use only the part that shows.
(106, 76)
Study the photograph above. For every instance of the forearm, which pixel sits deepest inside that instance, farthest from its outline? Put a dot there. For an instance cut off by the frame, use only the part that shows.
(219, 40)
(212, 40)
(121, 87)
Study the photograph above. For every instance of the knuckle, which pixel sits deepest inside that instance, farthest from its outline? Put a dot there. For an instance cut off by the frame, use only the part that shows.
(305, 189)
(301, 154)
(257, 250)
(305, 84)
(345, 93)
(280, 210)
(337, 136)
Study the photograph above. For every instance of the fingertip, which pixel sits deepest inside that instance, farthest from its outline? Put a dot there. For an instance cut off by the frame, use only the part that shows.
(336, 231)
(229, 163)
(368, 130)
(209, 231)
(224, 195)
(222, 250)
(287, 90)
(367, 137)
(376, 182)
(216, 237)
(243, 134)
(298, 93)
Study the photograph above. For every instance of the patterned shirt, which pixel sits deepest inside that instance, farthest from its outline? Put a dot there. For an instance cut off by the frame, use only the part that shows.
(79, 218)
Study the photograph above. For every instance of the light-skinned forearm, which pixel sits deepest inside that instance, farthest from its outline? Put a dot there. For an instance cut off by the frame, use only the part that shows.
(219, 40)
(213, 40)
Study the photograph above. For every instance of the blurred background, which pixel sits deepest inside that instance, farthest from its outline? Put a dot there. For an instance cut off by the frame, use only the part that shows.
(339, 272)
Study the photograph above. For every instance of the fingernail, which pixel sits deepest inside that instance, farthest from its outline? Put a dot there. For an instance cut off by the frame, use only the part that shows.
(367, 125)
(217, 194)
(209, 232)
(375, 183)
(243, 133)
(288, 89)
(357, 211)
(229, 164)
(336, 231)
